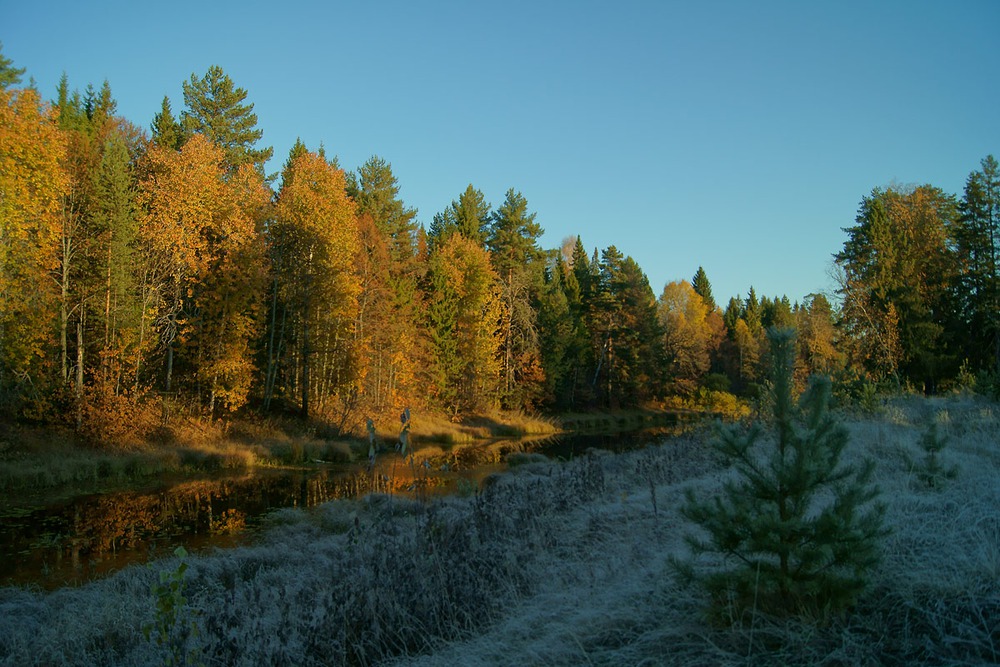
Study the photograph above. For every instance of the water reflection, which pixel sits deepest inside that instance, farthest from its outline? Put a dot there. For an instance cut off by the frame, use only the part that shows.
(91, 536)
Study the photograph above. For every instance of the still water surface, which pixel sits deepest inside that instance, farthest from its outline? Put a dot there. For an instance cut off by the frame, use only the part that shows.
(72, 541)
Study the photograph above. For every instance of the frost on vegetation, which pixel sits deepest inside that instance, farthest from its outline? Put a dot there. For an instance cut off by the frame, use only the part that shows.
(552, 563)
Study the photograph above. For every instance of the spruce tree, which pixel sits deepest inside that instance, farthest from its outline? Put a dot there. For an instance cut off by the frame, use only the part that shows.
(796, 525)
(703, 287)
(167, 132)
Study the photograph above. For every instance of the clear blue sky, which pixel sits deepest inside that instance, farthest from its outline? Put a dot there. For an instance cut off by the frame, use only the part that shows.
(739, 136)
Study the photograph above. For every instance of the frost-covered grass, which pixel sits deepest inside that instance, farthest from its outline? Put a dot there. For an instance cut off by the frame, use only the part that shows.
(556, 564)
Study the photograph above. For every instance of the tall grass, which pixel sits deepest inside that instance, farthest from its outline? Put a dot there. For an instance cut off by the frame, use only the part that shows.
(556, 564)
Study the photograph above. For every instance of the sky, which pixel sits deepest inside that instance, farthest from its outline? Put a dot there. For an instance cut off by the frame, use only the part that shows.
(736, 136)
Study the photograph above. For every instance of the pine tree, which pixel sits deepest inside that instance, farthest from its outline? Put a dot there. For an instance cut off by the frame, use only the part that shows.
(798, 526)
(10, 76)
(216, 108)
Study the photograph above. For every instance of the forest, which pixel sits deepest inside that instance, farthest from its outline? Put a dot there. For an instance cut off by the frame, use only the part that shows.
(145, 267)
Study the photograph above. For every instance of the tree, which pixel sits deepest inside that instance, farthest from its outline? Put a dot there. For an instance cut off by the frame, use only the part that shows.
(899, 255)
(216, 108)
(512, 239)
(201, 228)
(469, 216)
(703, 288)
(464, 317)
(376, 193)
(977, 244)
(315, 241)
(167, 131)
(557, 334)
(10, 76)
(691, 332)
(390, 302)
(818, 344)
(798, 525)
(116, 225)
(625, 331)
(32, 185)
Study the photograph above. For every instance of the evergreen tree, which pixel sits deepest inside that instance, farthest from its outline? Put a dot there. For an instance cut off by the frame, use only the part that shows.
(899, 270)
(167, 132)
(512, 241)
(216, 108)
(752, 313)
(376, 192)
(469, 216)
(798, 525)
(10, 76)
(703, 288)
(625, 332)
(116, 224)
(556, 333)
(776, 313)
(977, 240)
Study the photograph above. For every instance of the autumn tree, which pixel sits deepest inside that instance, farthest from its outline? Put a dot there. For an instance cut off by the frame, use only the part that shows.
(691, 333)
(201, 228)
(217, 109)
(390, 302)
(817, 337)
(32, 185)
(314, 238)
(464, 315)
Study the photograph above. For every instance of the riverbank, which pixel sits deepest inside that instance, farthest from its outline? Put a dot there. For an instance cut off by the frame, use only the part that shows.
(556, 564)
(54, 458)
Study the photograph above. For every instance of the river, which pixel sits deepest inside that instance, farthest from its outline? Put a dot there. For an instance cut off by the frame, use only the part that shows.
(73, 540)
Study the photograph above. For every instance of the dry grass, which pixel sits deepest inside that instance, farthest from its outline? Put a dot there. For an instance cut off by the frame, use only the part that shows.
(557, 564)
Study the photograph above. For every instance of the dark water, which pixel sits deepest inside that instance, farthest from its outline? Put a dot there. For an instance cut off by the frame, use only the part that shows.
(51, 545)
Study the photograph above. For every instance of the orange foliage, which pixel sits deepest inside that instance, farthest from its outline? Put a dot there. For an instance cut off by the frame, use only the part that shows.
(32, 183)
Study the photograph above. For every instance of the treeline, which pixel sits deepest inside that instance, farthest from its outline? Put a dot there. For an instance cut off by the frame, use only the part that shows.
(136, 265)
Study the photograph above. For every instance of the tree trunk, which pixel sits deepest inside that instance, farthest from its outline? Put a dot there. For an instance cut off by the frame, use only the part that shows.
(78, 390)
(304, 410)
(269, 375)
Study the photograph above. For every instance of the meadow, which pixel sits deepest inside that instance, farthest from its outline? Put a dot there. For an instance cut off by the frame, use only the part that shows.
(555, 563)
